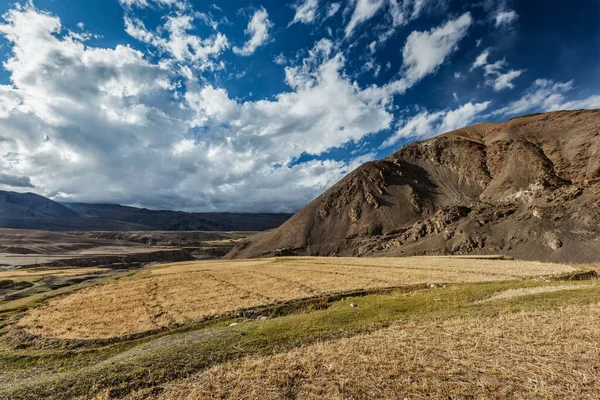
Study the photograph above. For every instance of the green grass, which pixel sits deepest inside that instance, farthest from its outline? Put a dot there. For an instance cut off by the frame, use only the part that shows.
(155, 360)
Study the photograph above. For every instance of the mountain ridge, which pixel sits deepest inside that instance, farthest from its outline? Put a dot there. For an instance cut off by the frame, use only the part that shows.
(32, 211)
(528, 187)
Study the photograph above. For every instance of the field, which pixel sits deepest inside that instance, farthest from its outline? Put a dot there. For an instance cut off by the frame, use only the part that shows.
(528, 355)
(184, 293)
(35, 274)
(309, 328)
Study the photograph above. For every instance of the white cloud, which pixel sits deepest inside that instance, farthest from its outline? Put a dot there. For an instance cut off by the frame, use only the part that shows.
(481, 59)
(97, 124)
(181, 45)
(495, 78)
(591, 102)
(426, 124)
(504, 81)
(104, 125)
(398, 13)
(542, 95)
(306, 11)
(404, 11)
(547, 95)
(332, 9)
(505, 18)
(363, 11)
(373, 46)
(258, 30)
(147, 3)
(424, 52)
(280, 59)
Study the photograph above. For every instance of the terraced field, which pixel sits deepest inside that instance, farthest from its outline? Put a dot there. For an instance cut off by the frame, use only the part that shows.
(179, 294)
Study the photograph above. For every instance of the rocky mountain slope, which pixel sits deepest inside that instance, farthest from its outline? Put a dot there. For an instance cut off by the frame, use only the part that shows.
(31, 211)
(528, 188)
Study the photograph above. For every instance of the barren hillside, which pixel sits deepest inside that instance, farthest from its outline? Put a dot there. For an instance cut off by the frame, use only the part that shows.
(528, 187)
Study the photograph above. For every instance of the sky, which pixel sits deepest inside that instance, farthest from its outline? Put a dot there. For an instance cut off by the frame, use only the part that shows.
(260, 106)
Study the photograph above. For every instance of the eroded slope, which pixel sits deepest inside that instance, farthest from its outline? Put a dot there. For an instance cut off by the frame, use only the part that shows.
(529, 187)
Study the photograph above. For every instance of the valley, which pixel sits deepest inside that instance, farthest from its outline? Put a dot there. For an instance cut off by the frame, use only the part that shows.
(460, 267)
(299, 200)
(214, 329)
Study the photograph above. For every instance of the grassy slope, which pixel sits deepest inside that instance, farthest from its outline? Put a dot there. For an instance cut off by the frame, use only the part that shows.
(550, 354)
(153, 361)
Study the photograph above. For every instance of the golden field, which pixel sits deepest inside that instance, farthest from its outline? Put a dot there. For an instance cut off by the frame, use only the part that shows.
(529, 355)
(183, 293)
(334, 328)
(37, 273)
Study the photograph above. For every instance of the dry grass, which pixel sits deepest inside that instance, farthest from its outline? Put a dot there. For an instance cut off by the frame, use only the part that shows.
(36, 273)
(187, 292)
(535, 355)
(510, 293)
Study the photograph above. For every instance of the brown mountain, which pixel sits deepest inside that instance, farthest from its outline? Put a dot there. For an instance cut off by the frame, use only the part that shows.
(528, 188)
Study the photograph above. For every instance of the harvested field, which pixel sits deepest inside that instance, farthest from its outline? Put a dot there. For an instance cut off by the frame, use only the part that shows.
(36, 273)
(510, 293)
(184, 293)
(531, 355)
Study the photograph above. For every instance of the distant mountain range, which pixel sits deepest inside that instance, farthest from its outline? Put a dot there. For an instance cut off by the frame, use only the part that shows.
(31, 211)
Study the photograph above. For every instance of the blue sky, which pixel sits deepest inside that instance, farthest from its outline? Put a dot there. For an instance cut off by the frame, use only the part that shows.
(260, 106)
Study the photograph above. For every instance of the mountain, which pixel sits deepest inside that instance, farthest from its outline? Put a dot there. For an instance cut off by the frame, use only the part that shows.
(528, 188)
(29, 205)
(31, 211)
(179, 220)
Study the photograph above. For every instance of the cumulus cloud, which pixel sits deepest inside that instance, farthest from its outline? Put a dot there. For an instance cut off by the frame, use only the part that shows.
(179, 44)
(426, 124)
(505, 17)
(306, 11)
(80, 122)
(547, 95)
(424, 52)
(98, 124)
(258, 30)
